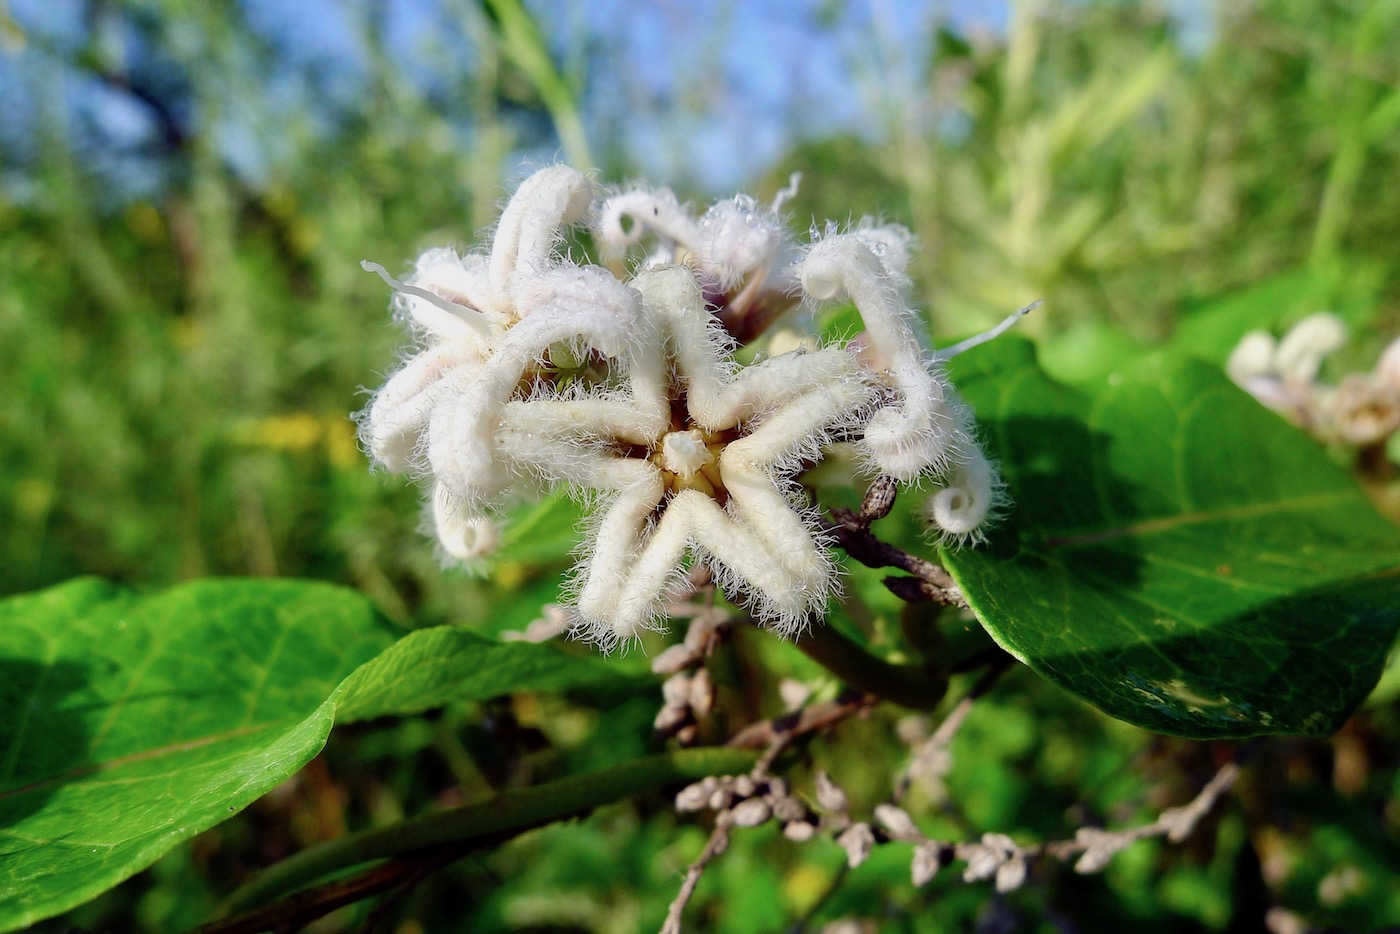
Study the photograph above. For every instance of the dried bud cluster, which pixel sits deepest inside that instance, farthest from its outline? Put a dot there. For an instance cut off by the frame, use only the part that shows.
(751, 801)
(745, 801)
(539, 371)
(1363, 409)
(688, 693)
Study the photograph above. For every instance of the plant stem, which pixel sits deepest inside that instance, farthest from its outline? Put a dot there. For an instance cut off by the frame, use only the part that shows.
(486, 821)
(917, 687)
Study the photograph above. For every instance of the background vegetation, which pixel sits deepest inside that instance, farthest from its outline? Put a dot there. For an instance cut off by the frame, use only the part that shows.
(184, 330)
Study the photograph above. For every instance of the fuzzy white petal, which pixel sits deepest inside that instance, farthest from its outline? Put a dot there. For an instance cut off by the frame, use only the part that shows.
(966, 501)
(459, 280)
(571, 305)
(738, 238)
(529, 230)
(909, 437)
(393, 425)
(463, 537)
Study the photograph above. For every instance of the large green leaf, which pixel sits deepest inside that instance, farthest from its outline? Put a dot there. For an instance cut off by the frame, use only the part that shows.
(434, 666)
(132, 723)
(1177, 555)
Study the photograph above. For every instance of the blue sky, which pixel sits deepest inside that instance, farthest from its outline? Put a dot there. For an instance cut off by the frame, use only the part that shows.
(707, 90)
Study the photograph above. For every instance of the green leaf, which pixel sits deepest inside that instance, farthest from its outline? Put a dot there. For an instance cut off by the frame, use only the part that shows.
(133, 722)
(1211, 328)
(431, 667)
(1177, 555)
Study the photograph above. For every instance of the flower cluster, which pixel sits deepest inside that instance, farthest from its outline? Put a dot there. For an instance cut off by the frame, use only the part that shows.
(1362, 409)
(537, 371)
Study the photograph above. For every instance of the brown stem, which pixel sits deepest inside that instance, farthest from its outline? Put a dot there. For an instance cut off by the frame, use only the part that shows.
(917, 687)
(809, 719)
(929, 582)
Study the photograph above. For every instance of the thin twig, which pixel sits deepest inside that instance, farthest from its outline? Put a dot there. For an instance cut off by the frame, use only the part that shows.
(936, 746)
(810, 719)
(718, 842)
(998, 856)
(306, 906)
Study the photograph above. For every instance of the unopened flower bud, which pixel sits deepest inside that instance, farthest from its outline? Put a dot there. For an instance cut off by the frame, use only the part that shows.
(702, 693)
(830, 796)
(669, 719)
(896, 821)
(928, 859)
(751, 813)
(1100, 847)
(676, 690)
(694, 796)
(1302, 349)
(788, 808)
(857, 840)
(676, 658)
(1011, 874)
(799, 831)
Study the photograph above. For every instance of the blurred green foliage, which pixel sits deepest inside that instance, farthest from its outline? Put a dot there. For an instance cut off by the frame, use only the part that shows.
(179, 370)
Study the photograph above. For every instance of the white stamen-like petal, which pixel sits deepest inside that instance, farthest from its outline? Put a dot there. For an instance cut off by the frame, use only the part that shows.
(585, 305)
(700, 348)
(738, 238)
(626, 218)
(469, 316)
(1388, 366)
(909, 438)
(462, 281)
(393, 425)
(530, 226)
(1252, 357)
(962, 506)
(891, 244)
(463, 537)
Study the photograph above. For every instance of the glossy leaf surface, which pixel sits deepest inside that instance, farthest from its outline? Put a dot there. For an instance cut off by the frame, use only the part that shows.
(1177, 555)
(134, 722)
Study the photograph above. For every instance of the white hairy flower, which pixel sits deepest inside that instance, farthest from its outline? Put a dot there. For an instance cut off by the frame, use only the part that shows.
(715, 478)
(538, 371)
(1361, 409)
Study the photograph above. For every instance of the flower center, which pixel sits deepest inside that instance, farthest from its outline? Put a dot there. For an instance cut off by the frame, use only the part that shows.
(688, 459)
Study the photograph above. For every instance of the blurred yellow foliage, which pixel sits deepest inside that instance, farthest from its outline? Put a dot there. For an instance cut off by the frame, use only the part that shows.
(305, 433)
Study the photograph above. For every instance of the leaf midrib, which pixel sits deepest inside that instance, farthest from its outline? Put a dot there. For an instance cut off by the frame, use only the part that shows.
(1146, 527)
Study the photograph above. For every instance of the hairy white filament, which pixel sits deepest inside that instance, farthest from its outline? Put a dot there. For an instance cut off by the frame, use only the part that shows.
(948, 353)
(469, 316)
